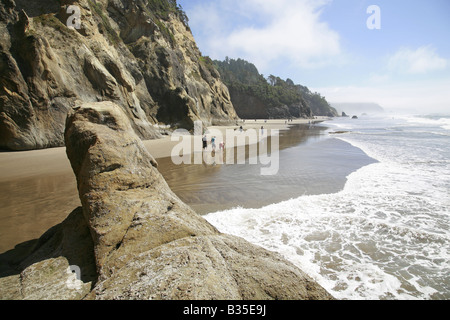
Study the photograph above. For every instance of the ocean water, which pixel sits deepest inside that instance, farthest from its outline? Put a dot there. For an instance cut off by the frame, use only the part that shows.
(386, 234)
(311, 162)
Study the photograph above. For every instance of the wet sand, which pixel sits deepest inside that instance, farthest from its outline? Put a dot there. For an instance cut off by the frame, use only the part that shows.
(38, 188)
(311, 162)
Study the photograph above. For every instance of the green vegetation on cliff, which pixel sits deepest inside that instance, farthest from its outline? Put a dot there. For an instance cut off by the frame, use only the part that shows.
(242, 77)
(318, 104)
(162, 9)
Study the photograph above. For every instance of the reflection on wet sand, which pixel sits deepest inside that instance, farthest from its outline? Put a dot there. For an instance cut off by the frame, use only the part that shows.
(39, 189)
(30, 206)
(208, 188)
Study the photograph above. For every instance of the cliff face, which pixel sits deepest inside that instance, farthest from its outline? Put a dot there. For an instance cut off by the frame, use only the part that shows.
(318, 104)
(249, 105)
(254, 96)
(134, 238)
(139, 54)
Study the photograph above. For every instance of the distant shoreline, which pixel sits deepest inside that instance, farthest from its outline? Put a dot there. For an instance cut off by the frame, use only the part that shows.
(54, 160)
(162, 148)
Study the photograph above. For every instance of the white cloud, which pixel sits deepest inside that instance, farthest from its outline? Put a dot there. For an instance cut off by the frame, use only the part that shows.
(419, 61)
(273, 30)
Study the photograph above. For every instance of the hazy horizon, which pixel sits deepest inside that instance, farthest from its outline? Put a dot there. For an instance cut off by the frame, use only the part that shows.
(397, 56)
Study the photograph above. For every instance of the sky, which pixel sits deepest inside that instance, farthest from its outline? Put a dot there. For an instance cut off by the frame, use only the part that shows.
(396, 54)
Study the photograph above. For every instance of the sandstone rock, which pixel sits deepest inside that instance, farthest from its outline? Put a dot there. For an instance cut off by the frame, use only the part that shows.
(146, 62)
(216, 267)
(129, 206)
(150, 245)
(40, 269)
(134, 238)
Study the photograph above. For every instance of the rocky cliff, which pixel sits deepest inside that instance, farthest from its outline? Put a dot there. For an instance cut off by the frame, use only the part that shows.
(139, 54)
(133, 238)
(254, 96)
(249, 105)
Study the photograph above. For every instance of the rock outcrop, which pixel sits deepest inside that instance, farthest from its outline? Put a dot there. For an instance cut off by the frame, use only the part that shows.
(134, 239)
(139, 54)
(249, 106)
(358, 109)
(41, 269)
(255, 97)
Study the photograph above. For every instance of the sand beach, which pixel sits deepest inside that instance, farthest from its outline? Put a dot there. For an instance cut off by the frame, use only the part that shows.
(38, 188)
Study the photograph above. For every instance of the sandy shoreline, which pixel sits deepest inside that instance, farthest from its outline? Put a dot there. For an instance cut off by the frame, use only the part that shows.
(162, 148)
(38, 188)
(17, 165)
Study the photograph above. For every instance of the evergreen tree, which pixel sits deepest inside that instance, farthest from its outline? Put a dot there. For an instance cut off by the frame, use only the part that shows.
(244, 77)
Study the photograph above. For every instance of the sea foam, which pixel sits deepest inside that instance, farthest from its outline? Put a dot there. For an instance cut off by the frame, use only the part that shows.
(384, 236)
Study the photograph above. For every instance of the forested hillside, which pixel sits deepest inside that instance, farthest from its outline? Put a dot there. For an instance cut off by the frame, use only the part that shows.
(273, 96)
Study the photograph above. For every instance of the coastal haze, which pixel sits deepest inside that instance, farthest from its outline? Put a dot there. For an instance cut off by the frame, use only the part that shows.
(358, 108)
(396, 55)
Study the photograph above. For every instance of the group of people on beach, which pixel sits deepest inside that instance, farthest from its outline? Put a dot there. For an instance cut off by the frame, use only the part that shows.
(213, 143)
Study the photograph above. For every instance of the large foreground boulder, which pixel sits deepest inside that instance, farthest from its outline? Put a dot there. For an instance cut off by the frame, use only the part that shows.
(141, 240)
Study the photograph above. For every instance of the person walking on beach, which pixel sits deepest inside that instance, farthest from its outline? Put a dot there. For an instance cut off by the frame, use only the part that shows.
(213, 143)
(205, 142)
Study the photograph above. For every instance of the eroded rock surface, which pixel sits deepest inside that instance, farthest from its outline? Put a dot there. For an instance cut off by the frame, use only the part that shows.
(141, 240)
(139, 54)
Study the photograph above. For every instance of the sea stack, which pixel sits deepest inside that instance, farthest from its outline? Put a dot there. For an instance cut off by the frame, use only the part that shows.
(134, 238)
